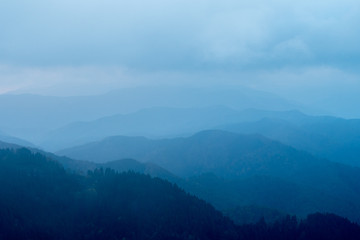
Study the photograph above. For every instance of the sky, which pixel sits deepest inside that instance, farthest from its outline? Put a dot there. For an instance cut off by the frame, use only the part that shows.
(307, 51)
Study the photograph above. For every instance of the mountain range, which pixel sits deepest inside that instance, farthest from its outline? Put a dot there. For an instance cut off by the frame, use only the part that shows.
(31, 116)
(40, 200)
(246, 169)
(335, 139)
(327, 137)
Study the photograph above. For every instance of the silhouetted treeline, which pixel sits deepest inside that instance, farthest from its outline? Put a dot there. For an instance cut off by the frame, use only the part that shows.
(315, 227)
(39, 200)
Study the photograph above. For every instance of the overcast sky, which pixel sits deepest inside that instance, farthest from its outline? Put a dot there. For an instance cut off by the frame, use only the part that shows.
(305, 50)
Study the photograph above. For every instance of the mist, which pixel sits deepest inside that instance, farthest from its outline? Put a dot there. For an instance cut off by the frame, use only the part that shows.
(306, 52)
(180, 119)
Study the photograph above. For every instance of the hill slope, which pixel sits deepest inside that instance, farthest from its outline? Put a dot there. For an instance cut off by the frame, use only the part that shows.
(315, 184)
(41, 201)
(333, 138)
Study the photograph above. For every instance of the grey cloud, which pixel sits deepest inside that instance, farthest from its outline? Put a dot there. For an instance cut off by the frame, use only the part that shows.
(307, 51)
(180, 35)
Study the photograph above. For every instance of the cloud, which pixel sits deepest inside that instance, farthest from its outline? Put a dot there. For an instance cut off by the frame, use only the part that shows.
(325, 88)
(304, 50)
(180, 35)
(64, 81)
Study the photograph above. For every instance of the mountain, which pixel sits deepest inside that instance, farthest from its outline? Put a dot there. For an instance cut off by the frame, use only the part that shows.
(31, 116)
(151, 169)
(10, 139)
(124, 165)
(69, 164)
(268, 192)
(242, 160)
(82, 167)
(156, 122)
(5, 145)
(41, 201)
(333, 138)
(224, 153)
(327, 137)
(252, 214)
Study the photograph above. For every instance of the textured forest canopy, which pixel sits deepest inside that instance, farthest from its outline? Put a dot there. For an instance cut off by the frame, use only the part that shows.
(41, 201)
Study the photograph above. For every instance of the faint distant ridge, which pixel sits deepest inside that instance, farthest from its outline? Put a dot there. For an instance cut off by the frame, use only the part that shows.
(44, 113)
(14, 140)
(157, 122)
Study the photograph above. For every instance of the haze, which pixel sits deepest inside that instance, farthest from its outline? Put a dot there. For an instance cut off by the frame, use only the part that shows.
(179, 119)
(304, 51)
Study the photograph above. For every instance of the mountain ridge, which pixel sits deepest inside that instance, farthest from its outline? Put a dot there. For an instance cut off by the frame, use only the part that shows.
(237, 157)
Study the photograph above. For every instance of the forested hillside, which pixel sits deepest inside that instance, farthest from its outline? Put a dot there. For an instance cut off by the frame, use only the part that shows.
(41, 201)
(300, 183)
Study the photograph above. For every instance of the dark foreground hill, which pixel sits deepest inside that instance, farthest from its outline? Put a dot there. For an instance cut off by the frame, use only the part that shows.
(121, 165)
(39, 200)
